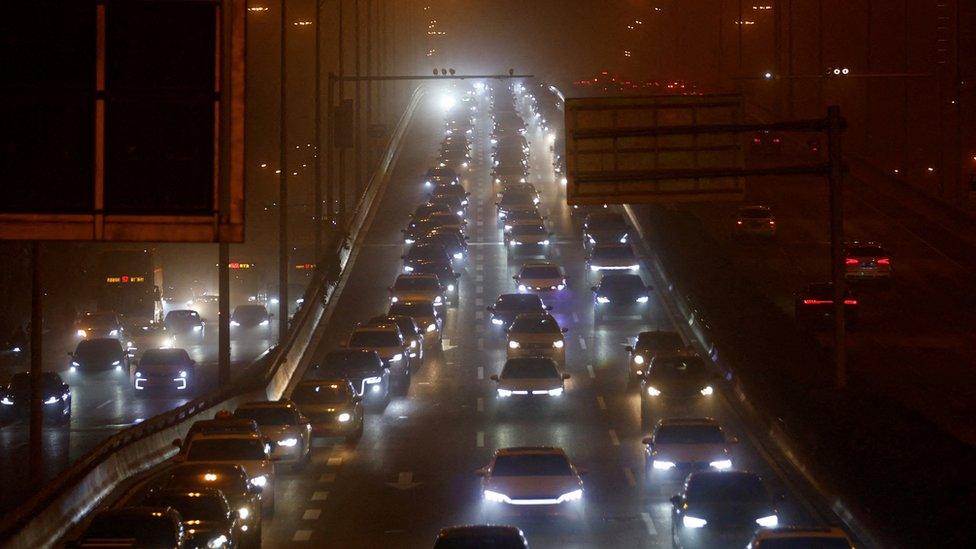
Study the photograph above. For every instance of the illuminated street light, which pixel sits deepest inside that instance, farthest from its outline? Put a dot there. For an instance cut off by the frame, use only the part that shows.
(768, 75)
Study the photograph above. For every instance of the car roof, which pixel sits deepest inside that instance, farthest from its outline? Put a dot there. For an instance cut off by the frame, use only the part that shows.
(530, 450)
(688, 422)
(465, 530)
(283, 403)
(786, 532)
(226, 436)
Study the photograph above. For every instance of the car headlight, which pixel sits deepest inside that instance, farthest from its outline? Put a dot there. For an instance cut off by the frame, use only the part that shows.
(638, 359)
(288, 442)
(198, 328)
(556, 392)
(544, 243)
(460, 212)
(431, 327)
(374, 379)
(514, 242)
(623, 239)
(707, 391)
(522, 288)
(413, 343)
(81, 333)
(450, 287)
(260, 481)
(513, 344)
(575, 495)
(219, 541)
(458, 255)
(768, 521)
(397, 357)
(496, 497)
(438, 300)
(558, 344)
(662, 465)
(721, 464)
(601, 299)
(6, 401)
(234, 323)
(113, 333)
(138, 374)
(508, 228)
(504, 393)
(344, 417)
(634, 267)
(243, 512)
(407, 269)
(653, 391)
(497, 321)
(265, 323)
(643, 299)
(408, 240)
(563, 180)
(594, 267)
(464, 202)
(693, 522)
(394, 299)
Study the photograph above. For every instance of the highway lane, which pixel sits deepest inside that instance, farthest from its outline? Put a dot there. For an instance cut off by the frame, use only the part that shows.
(412, 472)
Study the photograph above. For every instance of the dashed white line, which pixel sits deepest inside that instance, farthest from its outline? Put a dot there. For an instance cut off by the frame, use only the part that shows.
(320, 495)
(334, 461)
(481, 344)
(312, 514)
(589, 370)
(649, 524)
(479, 278)
(582, 343)
(481, 439)
(613, 438)
(479, 267)
(575, 318)
(631, 480)
(302, 535)
(601, 403)
(478, 302)
(327, 478)
(481, 372)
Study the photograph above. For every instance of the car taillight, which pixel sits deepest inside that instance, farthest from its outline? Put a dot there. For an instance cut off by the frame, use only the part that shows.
(776, 140)
(884, 261)
(756, 140)
(852, 261)
(738, 222)
(816, 301)
(850, 302)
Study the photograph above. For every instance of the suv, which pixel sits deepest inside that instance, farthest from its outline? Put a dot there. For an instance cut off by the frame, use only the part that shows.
(281, 423)
(388, 342)
(250, 451)
(165, 369)
(679, 446)
(362, 367)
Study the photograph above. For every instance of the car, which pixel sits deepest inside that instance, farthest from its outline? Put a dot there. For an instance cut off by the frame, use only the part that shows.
(208, 520)
(100, 325)
(418, 228)
(410, 330)
(146, 334)
(456, 191)
(423, 253)
(281, 423)
(649, 345)
(452, 157)
(519, 187)
(612, 257)
(815, 304)
(453, 203)
(364, 368)
(865, 261)
(540, 277)
(536, 334)
(509, 306)
(446, 220)
(516, 216)
(675, 379)
(621, 294)
(453, 241)
(184, 322)
(678, 446)
(250, 316)
(530, 377)
(529, 238)
(250, 451)
(95, 354)
(514, 200)
(445, 274)
(605, 227)
(424, 314)
(55, 398)
(231, 479)
(481, 536)
(441, 176)
(800, 537)
(537, 480)
(423, 210)
(767, 142)
(333, 406)
(755, 221)
(388, 342)
(134, 527)
(163, 369)
(223, 422)
(720, 509)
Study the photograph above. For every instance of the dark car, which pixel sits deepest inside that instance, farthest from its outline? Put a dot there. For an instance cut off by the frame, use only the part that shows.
(163, 369)
(452, 240)
(55, 398)
(184, 321)
(675, 379)
(605, 227)
(333, 406)
(231, 479)
(720, 509)
(451, 190)
(424, 210)
(422, 252)
(416, 229)
(223, 423)
(103, 353)
(488, 536)
(815, 304)
(411, 331)
(445, 275)
(621, 294)
(250, 316)
(149, 527)
(362, 367)
(441, 175)
(207, 516)
(454, 203)
(515, 200)
(649, 345)
(509, 306)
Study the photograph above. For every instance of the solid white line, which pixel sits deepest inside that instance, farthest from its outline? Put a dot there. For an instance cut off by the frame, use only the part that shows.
(302, 535)
(481, 404)
(630, 477)
(327, 477)
(582, 343)
(106, 403)
(613, 438)
(481, 372)
(649, 524)
(601, 403)
(589, 369)
(312, 514)
(320, 495)
(481, 439)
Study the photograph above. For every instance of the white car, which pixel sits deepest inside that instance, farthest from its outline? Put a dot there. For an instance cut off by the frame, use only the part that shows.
(280, 422)
(533, 481)
(530, 377)
(613, 257)
(250, 451)
(681, 445)
(542, 276)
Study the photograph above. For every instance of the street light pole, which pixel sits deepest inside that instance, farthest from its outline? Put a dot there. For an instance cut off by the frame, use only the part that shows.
(283, 189)
(317, 150)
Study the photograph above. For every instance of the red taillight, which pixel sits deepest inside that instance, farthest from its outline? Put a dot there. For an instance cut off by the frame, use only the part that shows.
(771, 222)
(884, 261)
(850, 302)
(756, 140)
(852, 261)
(776, 140)
(816, 301)
(738, 222)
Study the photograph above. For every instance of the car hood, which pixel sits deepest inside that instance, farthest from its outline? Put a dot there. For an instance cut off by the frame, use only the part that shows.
(161, 369)
(607, 234)
(548, 487)
(540, 282)
(510, 314)
(534, 338)
(415, 295)
(385, 352)
(531, 238)
(621, 296)
(251, 468)
(686, 453)
(613, 262)
(356, 373)
(530, 384)
(275, 433)
(202, 531)
(679, 387)
(730, 514)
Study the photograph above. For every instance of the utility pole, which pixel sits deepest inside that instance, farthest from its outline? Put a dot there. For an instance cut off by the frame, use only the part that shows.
(283, 189)
(341, 188)
(369, 88)
(357, 120)
(317, 150)
(36, 428)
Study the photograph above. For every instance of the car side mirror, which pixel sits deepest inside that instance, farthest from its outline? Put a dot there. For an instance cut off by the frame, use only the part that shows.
(493, 377)
(647, 440)
(490, 308)
(177, 442)
(566, 376)
(515, 277)
(676, 500)
(629, 348)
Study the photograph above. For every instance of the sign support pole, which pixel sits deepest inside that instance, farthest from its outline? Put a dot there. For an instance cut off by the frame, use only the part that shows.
(283, 191)
(835, 179)
(223, 315)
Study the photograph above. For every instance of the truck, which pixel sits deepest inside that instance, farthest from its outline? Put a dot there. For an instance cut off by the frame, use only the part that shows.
(130, 283)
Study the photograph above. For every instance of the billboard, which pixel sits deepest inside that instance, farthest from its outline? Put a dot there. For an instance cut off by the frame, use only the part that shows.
(122, 121)
(628, 150)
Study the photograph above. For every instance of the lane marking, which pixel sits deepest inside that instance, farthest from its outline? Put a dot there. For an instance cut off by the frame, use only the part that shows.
(334, 461)
(481, 439)
(556, 252)
(479, 267)
(480, 404)
(630, 477)
(302, 535)
(320, 495)
(575, 318)
(601, 403)
(479, 278)
(589, 369)
(582, 343)
(479, 289)
(613, 438)
(478, 302)
(481, 344)
(649, 524)
(327, 477)
(106, 403)
(481, 372)
(312, 514)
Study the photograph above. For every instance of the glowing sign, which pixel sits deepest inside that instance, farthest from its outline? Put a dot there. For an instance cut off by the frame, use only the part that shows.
(305, 266)
(124, 279)
(239, 265)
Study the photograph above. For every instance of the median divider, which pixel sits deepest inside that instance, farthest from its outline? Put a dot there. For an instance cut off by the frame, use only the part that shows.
(63, 503)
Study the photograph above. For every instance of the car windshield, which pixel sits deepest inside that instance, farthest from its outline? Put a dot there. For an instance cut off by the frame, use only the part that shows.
(374, 338)
(529, 369)
(267, 415)
(812, 542)
(415, 310)
(144, 530)
(527, 229)
(659, 340)
(226, 449)
(518, 302)
(613, 252)
(622, 282)
(531, 465)
(535, 325)
(726, 487)
(191, 506)
(98, 350)
(479, 540)
(605, 220)
(679, 368)
(321, 393)
(754, 213)
(689, 434)
(165, 357)
(20, 382)
(182, 315)
(250, 311)
(516, 198)
(541, 272)
(350, 360)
